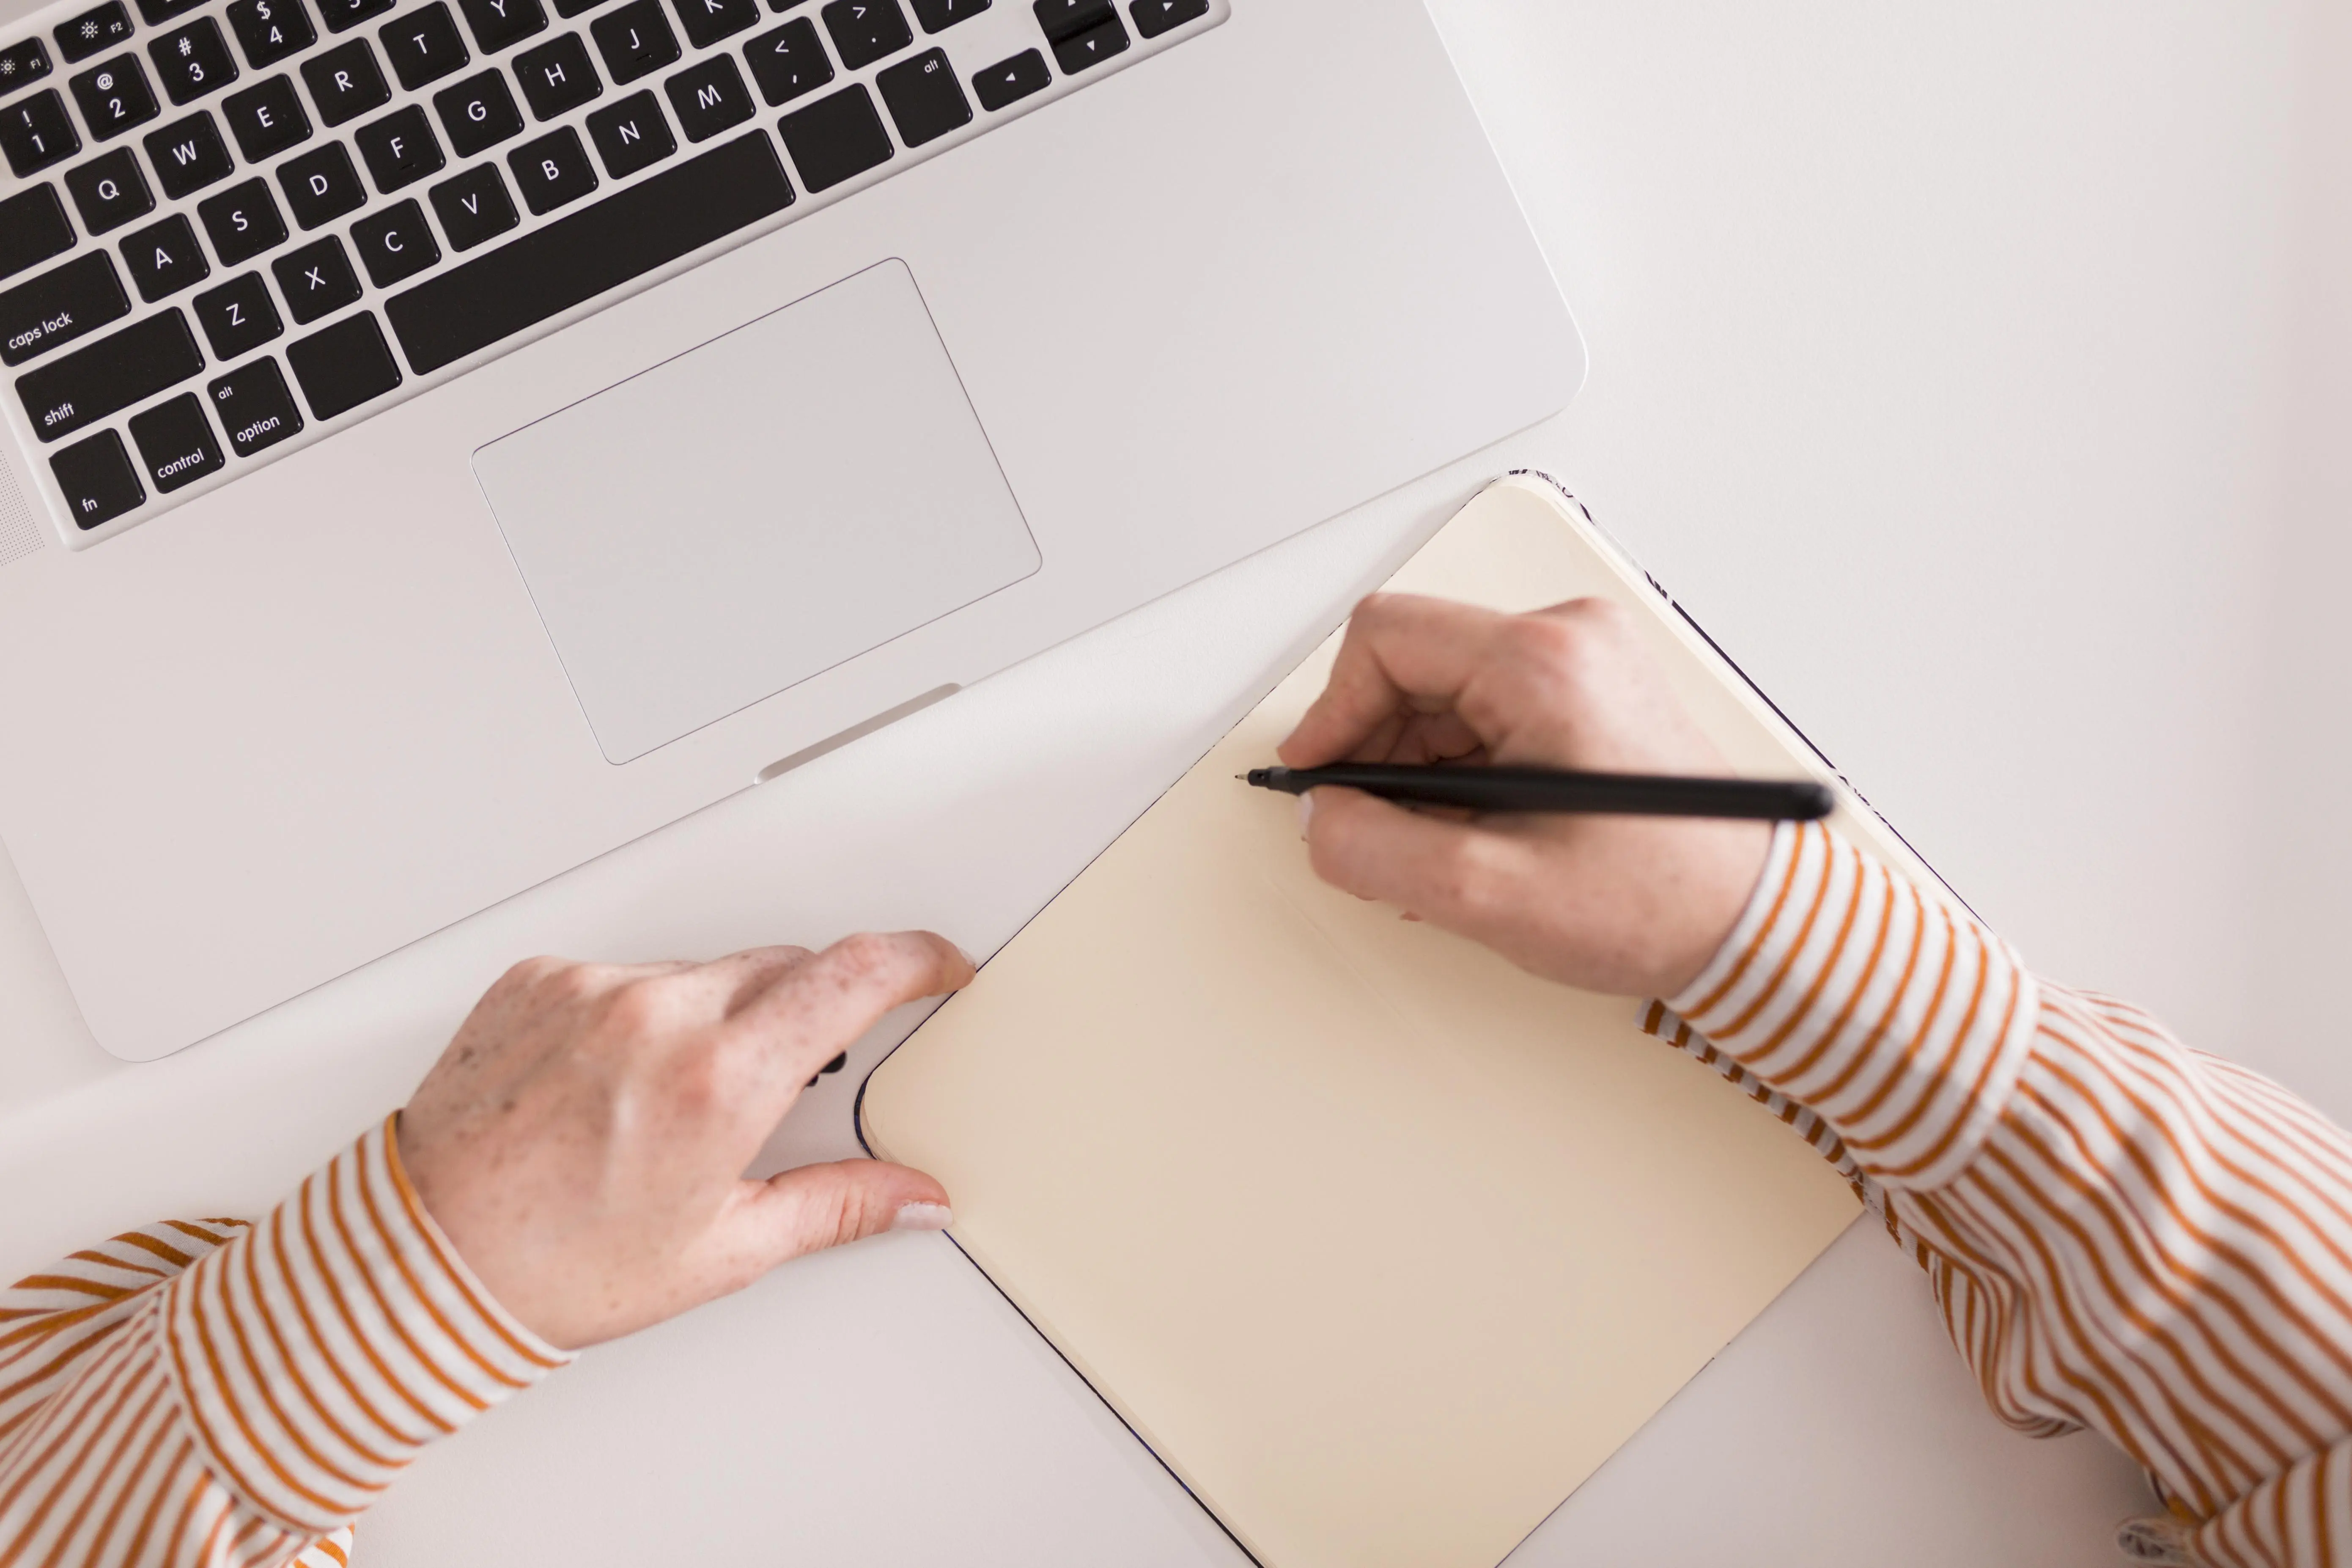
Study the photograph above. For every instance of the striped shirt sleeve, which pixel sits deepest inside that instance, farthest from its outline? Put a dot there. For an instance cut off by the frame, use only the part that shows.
(218, 1393)
(2121, 1233)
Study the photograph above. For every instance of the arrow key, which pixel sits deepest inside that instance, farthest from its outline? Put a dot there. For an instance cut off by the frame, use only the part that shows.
(1091, 47)
(1009, 81)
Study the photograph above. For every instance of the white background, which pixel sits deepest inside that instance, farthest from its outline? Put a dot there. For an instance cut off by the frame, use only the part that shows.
(1978, 377)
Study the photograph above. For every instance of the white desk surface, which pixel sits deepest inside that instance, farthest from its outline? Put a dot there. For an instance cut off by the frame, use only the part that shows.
(1943, 362)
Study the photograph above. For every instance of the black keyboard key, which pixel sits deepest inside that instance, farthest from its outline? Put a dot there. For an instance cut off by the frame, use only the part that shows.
(164, 259)
(924, 98)
(424, 46)
(238, 317)
(22, 64)
(316, 279)
(575, 7)
(1153, 17)
(631, 135)
(707, 99)
(53, 309)
(474, 207)
(192, 61)
(635, 40)
(836, 138)
(105, 377)
(569, 262)
(865, 30)
(110, 190)
(99, 482)
(400, 148)
(175, 441)
(708, 21)
(788, 62)
(394, 245)
(343, 16)
(556, 76)
(478, 112)
(37, 133)
(500, 23)
(159, 12)
(270, 30)
(242, 222)
(321, 185)
(95, 30)
(254, 408)
(934, 14)
(1009, 81)
(343, 366)
(1096, 43)
(34, 228)
(266, 118)
(189, 155)
(552, 171)
(1064, 19)
(114, 96)
(346, 82)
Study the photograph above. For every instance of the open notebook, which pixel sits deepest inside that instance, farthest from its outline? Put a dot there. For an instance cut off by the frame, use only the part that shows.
(1382, 1245)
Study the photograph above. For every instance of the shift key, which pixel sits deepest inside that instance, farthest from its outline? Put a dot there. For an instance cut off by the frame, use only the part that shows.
(119, 370)
(51, 310)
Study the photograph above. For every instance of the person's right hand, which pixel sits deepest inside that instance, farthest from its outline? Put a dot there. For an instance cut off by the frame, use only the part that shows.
(1625, 904)
(582, 1141)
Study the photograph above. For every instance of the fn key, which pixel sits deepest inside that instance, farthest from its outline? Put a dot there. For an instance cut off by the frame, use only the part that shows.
(96, 476)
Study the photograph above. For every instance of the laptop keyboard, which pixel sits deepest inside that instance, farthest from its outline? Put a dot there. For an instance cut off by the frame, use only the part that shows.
(229, 229)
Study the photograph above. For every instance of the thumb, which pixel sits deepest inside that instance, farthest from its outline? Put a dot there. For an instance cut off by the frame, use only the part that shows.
(1454, 874)
(816, 1206)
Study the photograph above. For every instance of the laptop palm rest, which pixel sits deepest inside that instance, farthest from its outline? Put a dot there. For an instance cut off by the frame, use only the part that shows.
(756, 510)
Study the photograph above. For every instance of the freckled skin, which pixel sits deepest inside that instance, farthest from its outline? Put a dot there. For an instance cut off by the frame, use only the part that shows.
(582, 1140)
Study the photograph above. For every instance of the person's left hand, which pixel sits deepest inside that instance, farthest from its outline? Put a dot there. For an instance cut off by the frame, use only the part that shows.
(582, 1141)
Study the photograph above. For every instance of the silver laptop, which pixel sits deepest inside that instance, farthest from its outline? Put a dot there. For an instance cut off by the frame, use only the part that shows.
(444, 439)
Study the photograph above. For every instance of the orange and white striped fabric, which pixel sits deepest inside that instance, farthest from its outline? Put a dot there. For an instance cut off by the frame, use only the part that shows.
(212, 1392)
(2122, 1234)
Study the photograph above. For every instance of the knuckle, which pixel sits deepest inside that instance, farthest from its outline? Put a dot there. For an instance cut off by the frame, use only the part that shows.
(1554, 640)
(865, 956)
(640, 1007)
(1600, 616)
(1467, 880)
(529, 974)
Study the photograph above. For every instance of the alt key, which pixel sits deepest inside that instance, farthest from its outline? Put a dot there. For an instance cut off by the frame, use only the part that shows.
(96, 476)
(255, 408)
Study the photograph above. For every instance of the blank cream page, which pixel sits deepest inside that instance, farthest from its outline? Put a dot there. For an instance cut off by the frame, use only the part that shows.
(1382, 1245)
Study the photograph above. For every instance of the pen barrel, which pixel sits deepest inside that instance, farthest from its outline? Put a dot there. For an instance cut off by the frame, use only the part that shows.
(1504, 789)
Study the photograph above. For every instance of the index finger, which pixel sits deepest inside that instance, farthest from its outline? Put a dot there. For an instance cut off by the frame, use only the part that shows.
(1401, 651)
(811, 1011)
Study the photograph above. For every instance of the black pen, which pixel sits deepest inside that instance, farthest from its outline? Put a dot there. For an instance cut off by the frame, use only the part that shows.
(1549, 789)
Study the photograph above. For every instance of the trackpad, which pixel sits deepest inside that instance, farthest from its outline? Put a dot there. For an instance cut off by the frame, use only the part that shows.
(756, 510)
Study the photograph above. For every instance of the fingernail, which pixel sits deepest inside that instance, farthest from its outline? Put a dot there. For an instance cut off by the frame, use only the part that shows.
(1306, 812)
(922, 1216)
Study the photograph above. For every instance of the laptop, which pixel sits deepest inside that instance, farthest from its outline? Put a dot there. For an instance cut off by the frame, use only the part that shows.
(446, 439)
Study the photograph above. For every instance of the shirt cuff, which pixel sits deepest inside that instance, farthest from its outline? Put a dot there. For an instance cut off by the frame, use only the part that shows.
(1889, 1011)
(315, 1355)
